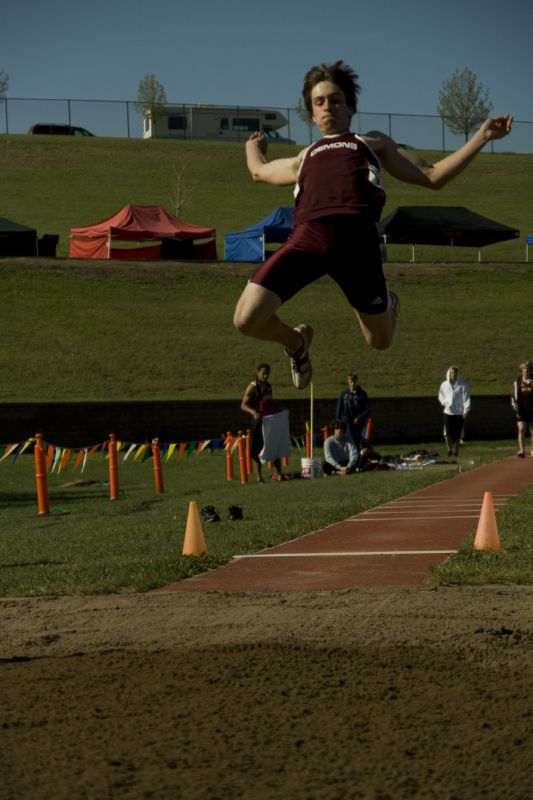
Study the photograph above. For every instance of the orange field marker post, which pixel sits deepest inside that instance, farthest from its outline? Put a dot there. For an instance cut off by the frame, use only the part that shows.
(158, 471)
(248, 441)
(367, 433)
(229, 456)
(242, 457)
(113, 468)
(309, 452)
(308, 444)
(41, 479)
(325, 432)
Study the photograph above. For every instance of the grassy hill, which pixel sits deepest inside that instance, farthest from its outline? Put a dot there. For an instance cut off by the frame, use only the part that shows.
(120, 331)
(56, 183)
(157, 330)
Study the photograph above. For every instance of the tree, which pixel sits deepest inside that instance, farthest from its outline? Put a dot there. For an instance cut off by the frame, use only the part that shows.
(463, 102)
(151, 97)
(4, 83)
(181, 191)
(304, 115)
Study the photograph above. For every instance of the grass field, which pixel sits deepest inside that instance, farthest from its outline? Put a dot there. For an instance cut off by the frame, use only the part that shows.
(100, 331)
(56, 183)
(95, 330)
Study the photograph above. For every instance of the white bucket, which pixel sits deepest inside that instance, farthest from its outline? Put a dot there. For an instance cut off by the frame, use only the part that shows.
(311, 468)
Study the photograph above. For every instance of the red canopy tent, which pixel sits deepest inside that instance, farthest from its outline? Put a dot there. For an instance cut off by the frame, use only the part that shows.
(175, 238)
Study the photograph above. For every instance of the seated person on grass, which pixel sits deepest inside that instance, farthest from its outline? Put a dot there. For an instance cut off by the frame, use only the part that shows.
(341, 455)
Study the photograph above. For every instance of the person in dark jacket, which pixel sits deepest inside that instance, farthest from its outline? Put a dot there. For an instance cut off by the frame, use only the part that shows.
(353, 408)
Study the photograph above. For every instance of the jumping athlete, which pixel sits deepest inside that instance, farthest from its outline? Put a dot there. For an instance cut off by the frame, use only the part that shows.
(338, 202)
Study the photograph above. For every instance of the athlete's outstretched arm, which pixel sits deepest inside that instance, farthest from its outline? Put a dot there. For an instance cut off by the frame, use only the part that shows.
(411, 168)
(281, 171)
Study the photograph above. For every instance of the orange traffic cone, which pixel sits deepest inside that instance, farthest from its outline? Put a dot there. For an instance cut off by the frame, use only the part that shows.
(194, 541)
(487, 530)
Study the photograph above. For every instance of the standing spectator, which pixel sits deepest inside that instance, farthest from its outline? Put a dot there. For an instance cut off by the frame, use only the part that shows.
(353, 409)
(341, 455)
(455, 401)
(258, 402)
(522, 403)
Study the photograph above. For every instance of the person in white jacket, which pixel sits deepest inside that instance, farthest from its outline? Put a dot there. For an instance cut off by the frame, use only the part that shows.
(455, 401)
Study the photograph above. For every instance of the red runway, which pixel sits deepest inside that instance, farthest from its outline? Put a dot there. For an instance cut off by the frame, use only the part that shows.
(392, 545)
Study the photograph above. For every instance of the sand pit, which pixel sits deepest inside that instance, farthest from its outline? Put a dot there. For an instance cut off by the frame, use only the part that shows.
(362, 693)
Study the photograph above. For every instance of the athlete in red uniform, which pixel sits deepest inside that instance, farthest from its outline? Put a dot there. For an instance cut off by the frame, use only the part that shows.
(338, 202)
(522, 403)
(258, 401)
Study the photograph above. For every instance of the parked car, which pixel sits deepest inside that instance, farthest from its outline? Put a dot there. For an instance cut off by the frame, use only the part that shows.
(61, 130)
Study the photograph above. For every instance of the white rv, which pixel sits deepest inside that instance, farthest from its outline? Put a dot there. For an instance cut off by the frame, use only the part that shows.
(214, 122)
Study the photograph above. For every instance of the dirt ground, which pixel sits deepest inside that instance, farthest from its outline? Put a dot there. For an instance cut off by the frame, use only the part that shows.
(375, 693)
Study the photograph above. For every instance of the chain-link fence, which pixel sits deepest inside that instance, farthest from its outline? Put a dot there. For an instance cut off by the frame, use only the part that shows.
(121, 118)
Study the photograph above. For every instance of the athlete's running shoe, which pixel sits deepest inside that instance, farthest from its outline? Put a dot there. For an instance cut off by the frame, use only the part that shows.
(394, 304)
(234, 512)
(210, 514)
(301, 367)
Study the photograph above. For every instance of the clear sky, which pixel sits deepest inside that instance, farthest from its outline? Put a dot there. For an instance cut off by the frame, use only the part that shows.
(255, 53)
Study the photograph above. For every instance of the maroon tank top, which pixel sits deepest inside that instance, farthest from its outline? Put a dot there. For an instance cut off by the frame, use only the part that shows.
(264, 401)
(339, 175)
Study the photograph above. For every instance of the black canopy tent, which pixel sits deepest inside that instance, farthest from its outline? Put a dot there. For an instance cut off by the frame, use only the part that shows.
(442, 225)
(17, 240)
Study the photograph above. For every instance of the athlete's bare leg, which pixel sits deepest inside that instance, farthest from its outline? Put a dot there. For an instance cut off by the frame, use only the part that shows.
(522, 428)
(255, 315)
(378, 329)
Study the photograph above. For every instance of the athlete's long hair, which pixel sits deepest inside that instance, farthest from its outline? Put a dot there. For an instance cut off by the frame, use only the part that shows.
(339, 73)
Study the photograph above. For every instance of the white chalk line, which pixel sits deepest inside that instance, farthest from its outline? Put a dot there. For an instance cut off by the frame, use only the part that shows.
(396, 504)
(366, 517)
(342, 553)
(442, 499)
(470, 501)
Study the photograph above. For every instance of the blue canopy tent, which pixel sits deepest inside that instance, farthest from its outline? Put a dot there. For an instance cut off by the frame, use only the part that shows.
(249, 244)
